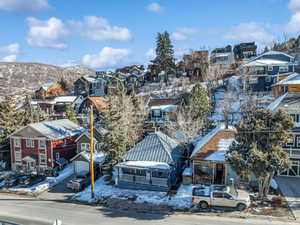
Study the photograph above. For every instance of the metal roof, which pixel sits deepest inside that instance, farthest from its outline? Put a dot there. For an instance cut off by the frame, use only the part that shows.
(57, 129)
(155, 147)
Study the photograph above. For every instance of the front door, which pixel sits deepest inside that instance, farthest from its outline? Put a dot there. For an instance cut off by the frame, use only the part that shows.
(219, 173)
(30, 166)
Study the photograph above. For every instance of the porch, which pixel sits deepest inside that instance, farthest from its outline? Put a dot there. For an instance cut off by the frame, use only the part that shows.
(209, 172)
(143, 178)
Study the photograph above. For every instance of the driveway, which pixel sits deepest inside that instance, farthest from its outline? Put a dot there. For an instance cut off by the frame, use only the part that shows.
(59, 192)
(290, 188)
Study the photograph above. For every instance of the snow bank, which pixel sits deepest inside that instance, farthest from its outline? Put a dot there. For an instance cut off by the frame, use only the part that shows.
(182, 200)
(46, 184)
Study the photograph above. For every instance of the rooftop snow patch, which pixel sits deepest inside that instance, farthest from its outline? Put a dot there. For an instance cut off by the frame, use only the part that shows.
(204, 140)
(145, 164)
(276, 102)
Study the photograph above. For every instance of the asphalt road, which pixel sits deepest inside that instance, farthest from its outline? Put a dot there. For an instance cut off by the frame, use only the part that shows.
(29, 211)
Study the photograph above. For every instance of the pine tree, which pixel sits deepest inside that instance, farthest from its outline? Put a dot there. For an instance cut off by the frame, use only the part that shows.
(258, 146)
(200, 102)
(11, 119)
(70, 114)
(164, 53)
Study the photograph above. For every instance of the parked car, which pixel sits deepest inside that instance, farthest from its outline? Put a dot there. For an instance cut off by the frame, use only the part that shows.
(80, 182)
(24, 180)
(221, 196)
(51, 173)
(14, 181)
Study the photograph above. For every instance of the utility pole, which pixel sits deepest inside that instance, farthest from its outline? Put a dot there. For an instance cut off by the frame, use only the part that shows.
(92, 151)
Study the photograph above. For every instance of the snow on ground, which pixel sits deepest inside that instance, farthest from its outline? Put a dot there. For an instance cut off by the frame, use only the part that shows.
(274, 184)
(4, 174)
(47, 183)
(181, 200)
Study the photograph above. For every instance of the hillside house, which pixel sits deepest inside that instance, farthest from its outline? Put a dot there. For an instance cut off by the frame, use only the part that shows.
(290, 103)
(244, 51)
(48, 90)
(222, 56)
(155, 163)
(289, 84)
(99, 104)
(91, 85)
(41, 146)
(208, 162)
(260, 73)
(195, 65)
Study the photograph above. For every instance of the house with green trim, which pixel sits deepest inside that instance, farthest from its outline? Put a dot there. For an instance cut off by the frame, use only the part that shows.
(82, 158)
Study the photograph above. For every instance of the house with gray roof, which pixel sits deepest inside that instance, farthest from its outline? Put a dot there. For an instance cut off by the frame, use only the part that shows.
(43, 146)
(155, 163)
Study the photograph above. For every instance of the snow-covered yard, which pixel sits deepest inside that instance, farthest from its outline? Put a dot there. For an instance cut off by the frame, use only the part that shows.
(47, 183)
(181, 200)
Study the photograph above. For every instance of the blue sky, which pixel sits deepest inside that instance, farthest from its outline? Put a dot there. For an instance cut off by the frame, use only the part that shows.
(108, 34)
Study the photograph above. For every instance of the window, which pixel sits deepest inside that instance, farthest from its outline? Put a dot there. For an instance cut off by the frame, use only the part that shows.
(291, 141)
(159, 174)
(253, 80)
(85, 146)
(227, 196)
(283, 69)
(42, 144)
(57, 155)
(17, 142)
(270, 68)
(217, 195)
(30, 143)
(18, 156)
(298, 141)
(268, 79)
(156, 112)
(43, 159)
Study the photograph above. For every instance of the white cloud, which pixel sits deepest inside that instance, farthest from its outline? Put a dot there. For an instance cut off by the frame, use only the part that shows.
(187, 30)
(155, 7)
(9, 58)
(250, 32)
(182, 33)
(294, 5)
(294, 24)
(24, 5)
(99, 29)
(107, 57)
(49, 33)
(151, 53)
(11, 49)
(179, 52)
(178, 36)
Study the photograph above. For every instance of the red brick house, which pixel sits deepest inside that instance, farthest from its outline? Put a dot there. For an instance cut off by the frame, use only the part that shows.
(41, 146)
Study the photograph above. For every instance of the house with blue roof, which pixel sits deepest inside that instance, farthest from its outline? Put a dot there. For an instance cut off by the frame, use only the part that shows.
(155, 163)
(260, 73)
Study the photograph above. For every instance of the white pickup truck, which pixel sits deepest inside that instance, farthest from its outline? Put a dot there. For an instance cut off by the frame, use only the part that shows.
(221, 196)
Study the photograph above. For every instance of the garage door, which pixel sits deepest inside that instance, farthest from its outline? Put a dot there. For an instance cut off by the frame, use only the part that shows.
(81, 167)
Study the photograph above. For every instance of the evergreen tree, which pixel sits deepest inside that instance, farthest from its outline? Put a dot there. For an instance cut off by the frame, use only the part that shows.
(200, 103)
(11, 119)
(258, 146)
(164, 53)
(70, 114)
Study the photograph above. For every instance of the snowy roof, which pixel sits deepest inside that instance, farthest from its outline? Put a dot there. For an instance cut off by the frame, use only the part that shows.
(69, 99)
(99, 157)
(267, 62)
(276, 102)
(294, 78)
(145, 164)
(223, 147)
(57, 129)
(204, 140)
(165, 108)
(155, 147)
